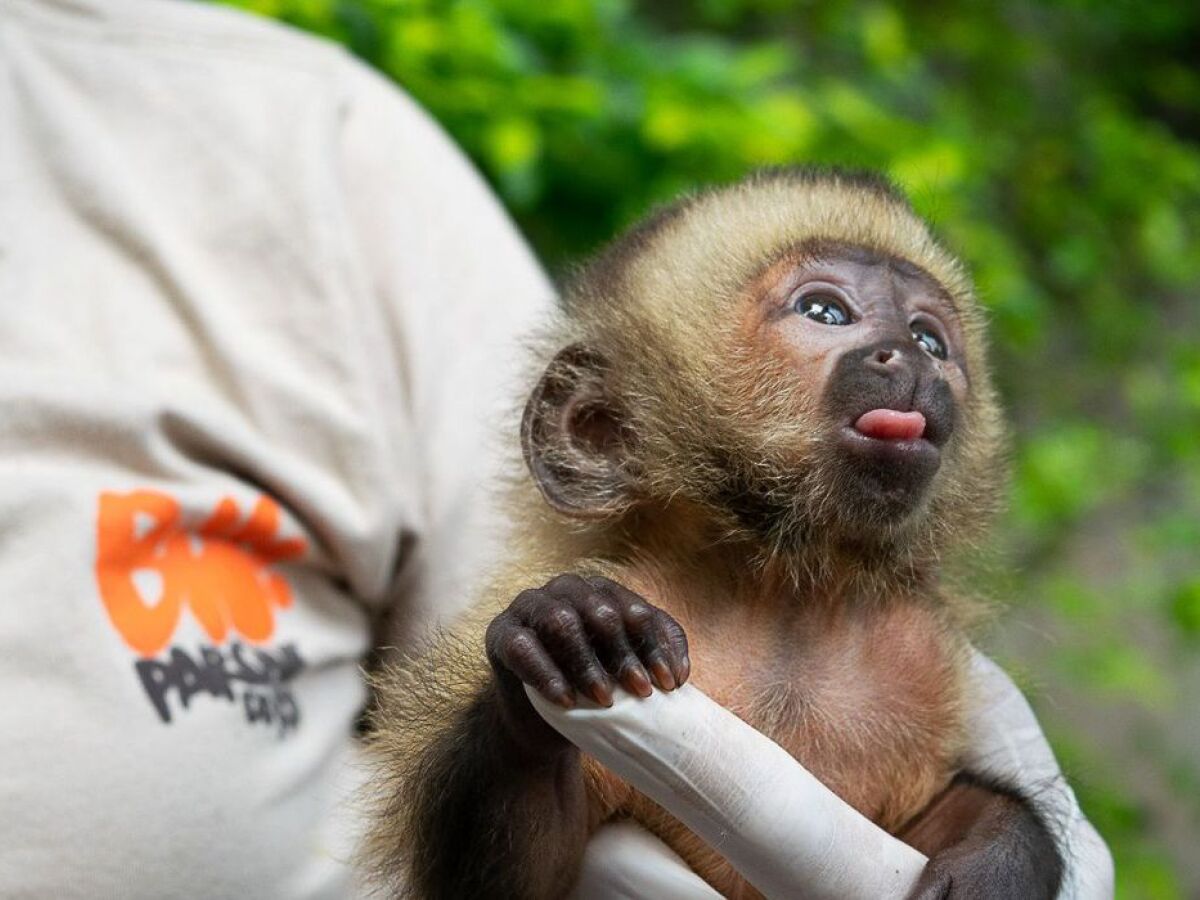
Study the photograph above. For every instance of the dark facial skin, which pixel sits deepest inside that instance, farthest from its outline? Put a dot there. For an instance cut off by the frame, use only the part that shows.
(877, 334)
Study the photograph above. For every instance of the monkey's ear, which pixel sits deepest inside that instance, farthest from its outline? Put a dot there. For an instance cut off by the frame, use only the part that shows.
(575, 438)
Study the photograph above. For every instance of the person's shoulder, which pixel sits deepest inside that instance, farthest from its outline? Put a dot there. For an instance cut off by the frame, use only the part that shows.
(186, 29)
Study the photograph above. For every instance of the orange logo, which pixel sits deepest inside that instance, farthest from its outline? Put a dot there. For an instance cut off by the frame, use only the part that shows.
(149, 566)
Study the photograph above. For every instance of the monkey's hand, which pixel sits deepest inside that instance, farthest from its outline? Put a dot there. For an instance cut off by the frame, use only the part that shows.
(581, 635)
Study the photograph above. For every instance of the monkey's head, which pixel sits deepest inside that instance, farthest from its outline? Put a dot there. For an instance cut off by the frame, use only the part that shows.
(794, 355)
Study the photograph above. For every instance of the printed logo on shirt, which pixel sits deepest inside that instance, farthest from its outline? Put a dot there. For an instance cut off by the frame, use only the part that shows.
(153, 568)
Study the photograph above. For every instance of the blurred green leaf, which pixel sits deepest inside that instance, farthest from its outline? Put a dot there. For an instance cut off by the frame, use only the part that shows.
(1185, 609)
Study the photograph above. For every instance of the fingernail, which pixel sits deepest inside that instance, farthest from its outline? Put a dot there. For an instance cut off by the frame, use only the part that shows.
(638, 681)
(685, 668)
(566, 699)
(601, 693)
(662, 672)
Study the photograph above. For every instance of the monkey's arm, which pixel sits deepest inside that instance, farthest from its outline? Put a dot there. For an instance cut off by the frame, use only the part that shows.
(984, 840)
(500, 808)
(472, 797)
(481, 797)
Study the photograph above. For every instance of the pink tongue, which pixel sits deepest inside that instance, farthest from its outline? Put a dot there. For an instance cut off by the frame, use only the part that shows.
(891, 425)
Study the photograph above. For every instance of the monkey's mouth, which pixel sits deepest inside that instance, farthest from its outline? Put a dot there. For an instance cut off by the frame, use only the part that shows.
(891, 425)
(895, 440)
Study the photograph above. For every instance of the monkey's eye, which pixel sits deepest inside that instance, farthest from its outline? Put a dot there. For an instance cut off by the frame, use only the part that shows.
(822, 308)
(929, 341)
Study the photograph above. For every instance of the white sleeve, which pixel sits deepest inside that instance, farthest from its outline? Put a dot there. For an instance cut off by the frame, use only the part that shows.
(1006, 741)
(777, 824)
(743, 794)
(453, 289)
(623, 861)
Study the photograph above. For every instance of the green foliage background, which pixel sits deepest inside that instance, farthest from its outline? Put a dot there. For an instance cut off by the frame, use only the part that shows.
(1057, 147)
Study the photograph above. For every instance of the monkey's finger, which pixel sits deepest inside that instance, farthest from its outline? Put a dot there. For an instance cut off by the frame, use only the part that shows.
(603, 620)
(637, 613)
(520, 652)
(675, 639)
(569, 587)
(641, 626)
(648, 644)
(578, 593)
(560, 628)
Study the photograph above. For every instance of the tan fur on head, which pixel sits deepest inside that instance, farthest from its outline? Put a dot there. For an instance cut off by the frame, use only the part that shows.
(662, 306)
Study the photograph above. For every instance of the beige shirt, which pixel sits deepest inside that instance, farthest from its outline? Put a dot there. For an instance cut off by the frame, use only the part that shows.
(257, 319)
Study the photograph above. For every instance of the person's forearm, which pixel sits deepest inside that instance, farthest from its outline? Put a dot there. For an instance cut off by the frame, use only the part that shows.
(779, 826)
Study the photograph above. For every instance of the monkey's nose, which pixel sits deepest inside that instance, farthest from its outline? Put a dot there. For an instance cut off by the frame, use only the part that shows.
(888, 361)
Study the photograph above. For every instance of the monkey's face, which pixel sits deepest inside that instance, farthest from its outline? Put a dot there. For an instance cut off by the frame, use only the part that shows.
(875, 341)
(795, 356)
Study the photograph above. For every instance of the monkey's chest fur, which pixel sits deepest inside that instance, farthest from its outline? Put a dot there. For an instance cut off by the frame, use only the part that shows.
(868, 699)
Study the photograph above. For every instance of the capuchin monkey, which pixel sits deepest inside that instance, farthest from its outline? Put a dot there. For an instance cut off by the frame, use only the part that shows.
(764, 416)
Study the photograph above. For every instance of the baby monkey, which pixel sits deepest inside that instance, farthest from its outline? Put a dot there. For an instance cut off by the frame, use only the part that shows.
(764, 415)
